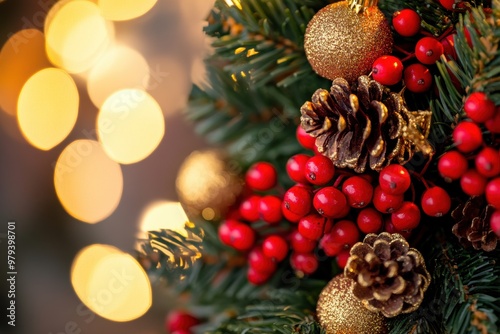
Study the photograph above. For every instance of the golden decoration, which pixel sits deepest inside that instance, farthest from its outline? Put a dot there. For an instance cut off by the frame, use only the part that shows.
(339, 312)
(344, 39)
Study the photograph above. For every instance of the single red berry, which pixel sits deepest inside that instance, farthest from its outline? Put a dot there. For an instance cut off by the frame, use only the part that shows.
(435, 202)
(428, 50)
(493, 124)
(270, 209)
(488, 162)
(384, 202)
(406, 22)
(358, 191)
(345, 211)
(319, 170)
(298, 200)
(295, 168)
(306, 263)
(180, 320)
(467, 136)
(369, 220)
(249, 208)
(342, 258)
(345, 232)
(261, 263)
(225, 230)
(394, 179)
(452, 165)
(479, 108)
(313, 226)
(495, 222)
(448, 4)
(275, 247)
(301, 244)
(258, 277)
(289, 216)
(329, 202)
(449, 47)
(389, 227)
(407, 217)
(388, 70)
(261, 176)
(330, 245)
(242, 237)
(473, 183)
(493, 192)
(307, 141)
(417, 78)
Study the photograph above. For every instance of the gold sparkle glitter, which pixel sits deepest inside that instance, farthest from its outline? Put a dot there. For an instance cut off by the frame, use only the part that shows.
(339, 312)
(340, 43)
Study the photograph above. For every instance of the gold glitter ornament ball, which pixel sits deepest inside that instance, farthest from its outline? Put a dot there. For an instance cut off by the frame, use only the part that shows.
(342, 43)
(339, 312)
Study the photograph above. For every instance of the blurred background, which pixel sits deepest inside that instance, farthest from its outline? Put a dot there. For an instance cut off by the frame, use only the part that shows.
(170, 39)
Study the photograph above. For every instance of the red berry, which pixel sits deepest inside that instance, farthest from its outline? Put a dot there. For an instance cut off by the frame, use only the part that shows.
(369, 220)
(495, 222)
(319, 170)
(473, 183)
(313, 226)
(345, 232)
(394, 179)
(452, 165)
(261, 176)
(488, 162)
(307, 141)
(242, 237)
(428, 50)
(479, 107)
(358, 191)
(384, 202)
(275, 247)
(330, 245)
(388, 70)
(342, 258)
(329, 202)
(493, 192)
(407, 217)
(298, 200)
(180, 320)
(289, 216)
(435, 202)
(258, 277)
(448, 4)
(406, 22)
(306, 263)
(295, 168)
(467, 136)
(225, 230)
(418, 78)
(301, 244)
(493, 124)
(261, 263)
(449, 47)
(249, 208)
(389, 227)
(270, 209)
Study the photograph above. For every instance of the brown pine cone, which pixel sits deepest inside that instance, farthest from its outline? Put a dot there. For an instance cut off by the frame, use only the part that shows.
(390, 277)
(366, 125)
(472, 226)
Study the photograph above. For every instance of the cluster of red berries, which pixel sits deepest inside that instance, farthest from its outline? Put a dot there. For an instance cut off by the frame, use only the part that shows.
(180, 322)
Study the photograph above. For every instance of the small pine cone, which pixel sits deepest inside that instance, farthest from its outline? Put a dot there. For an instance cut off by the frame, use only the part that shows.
(472, 226)
(366, 125)
(390, 277)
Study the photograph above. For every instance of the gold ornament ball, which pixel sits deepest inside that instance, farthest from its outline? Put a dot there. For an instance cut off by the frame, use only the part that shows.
(206, 185)
(339, 312)
(342, 43)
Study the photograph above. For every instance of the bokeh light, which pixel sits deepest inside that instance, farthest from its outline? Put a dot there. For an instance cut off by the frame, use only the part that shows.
(48, 107)
(121, 67)
(121, 10)
(22, 56)
(111, 283)
(163, 215)
(88, 183)
(76, 35)
(130, 125)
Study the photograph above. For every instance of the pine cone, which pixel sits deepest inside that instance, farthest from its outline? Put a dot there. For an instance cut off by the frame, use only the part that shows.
(390, 277)
(366, 125)
(473, 224)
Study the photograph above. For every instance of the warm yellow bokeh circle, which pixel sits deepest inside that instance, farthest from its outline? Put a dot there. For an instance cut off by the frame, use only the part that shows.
(121, 10)
(88, 183)
(48, 107)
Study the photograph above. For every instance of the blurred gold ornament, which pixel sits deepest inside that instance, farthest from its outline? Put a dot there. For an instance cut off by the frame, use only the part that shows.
(206, 186)
(344, 39)
(339, 312)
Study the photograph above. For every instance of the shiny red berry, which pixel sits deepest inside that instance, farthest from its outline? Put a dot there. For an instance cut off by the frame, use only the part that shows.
(407, 217)
(270, 209)
(473, 183)
(330, 245)
(406, 22)
(394, 179)
(289, 216)
(258, 277)
(275, 247)
(313, 226)
(261, 263)
(384, 202)
(225, 230)
(345, 232)
(387, 70)
(298, 200)
(249, 208)
(417, 78)
(448, 4)
(342, 258)
(493, 124)
(493, 192)
(242, 237)
(180, 320)
(452, 165)
(428, 50)
(307, 141)
(479, 108)
(369, 220)
(495, 222)
(307, 263)
(295, 168)
(488, 162)
(358, 191)
(319, 170)
(435, 202)
(261, 176)
(329, 202)
(301, 244)
(467, 136)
